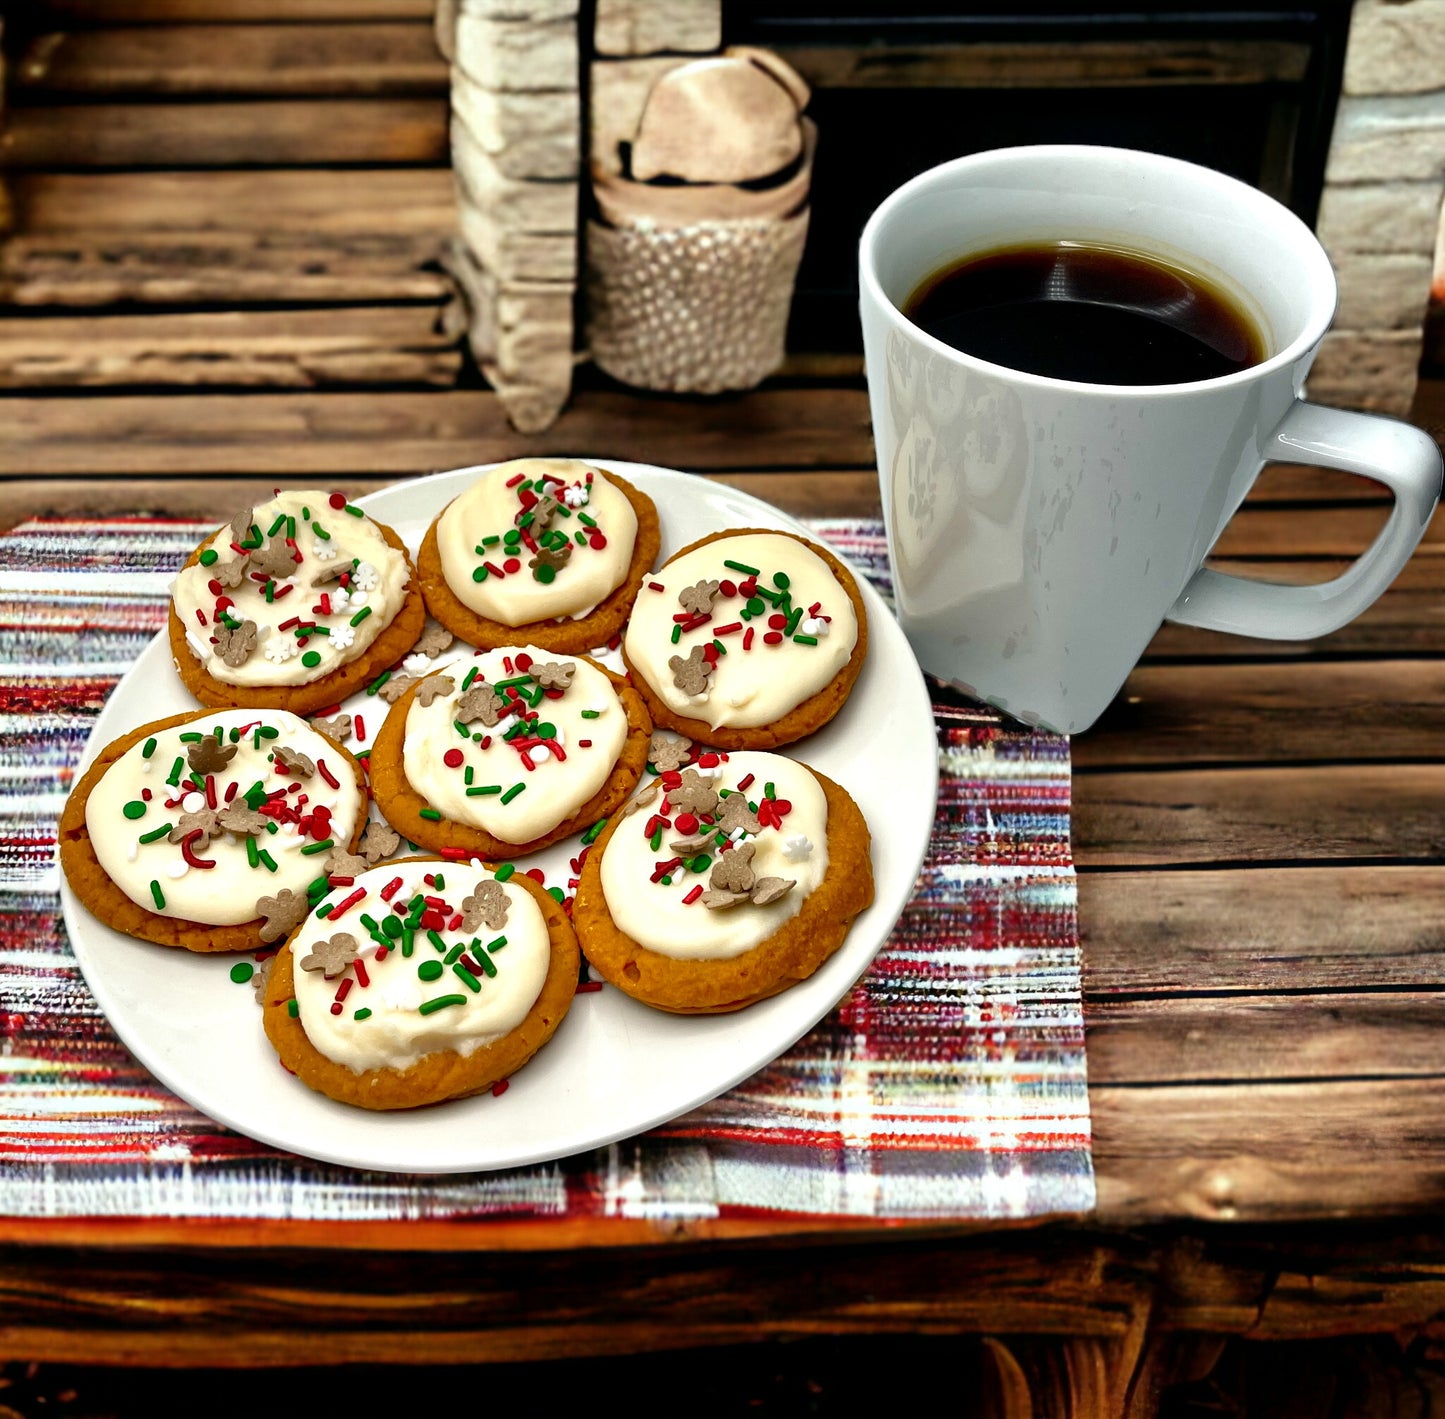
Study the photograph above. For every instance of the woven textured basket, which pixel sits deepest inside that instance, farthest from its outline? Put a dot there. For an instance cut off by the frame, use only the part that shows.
(692, 309)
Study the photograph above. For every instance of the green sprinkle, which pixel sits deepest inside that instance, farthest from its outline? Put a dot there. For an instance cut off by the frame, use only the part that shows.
(461, 729)
(504, 872)
(430, 970)
(546, 730)
(362, 1014)
(720, 647)
(471, 675)
(526, 520)
(292, 1008)
(769, 791)
(557, 895)
(195, 778)
(495, 945)
(326, 910)
(253, 858)
(585, 520)
(267, 860)
(793, 621)
(361, 615)
(319, 885)
(158, 895)
(318, 630)
(134, 809)
(454, 955)
(321, 532)
(534, 700)
(391, 926)
(667, 881)
(209, 557)
(242, 971)
(149, 749)
(268, 731)
(291, 525)
(483, 790)
(518, 728)
(700, 863)
(580, 538)
(311, 658)
(273, 827)
(490, 541)
(174, 777)
(676, 634)
(276, 526)
(472, 983)
(380, 680)
(489, 966)
(805, 640)
(518, 680)
(160, 832)
(512, 537)
(756, 606)
(544, 573)
(354, 510)
(743, 567)
(406, 941)
(655, 841)
(430, 1007)
(430, 814)
(512, 792)
(592, 833)
(591, 714)
(467, 775)
(781, 581)
(439, 882)
(311, 849)
(435, 937)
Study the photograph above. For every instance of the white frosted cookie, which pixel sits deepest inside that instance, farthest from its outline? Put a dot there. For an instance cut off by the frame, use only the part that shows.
(509, 751)
(747, 639)
(730, 880)
(546, 551)
(208, 830)
(297, 602)
(422, 980)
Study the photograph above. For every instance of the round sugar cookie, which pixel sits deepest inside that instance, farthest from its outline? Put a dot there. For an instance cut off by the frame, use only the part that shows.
(728, 882)
(509, 751)
(207, 829)
(425, 980)
(539, 551)
(299, 601)
(747, 639)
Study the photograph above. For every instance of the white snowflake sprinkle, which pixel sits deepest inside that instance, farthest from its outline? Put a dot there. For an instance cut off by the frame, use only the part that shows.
(280, 649)
(576, 495)
(366, 577)
(416, 664)
(342, 636)
(322, 551)
(358, 598)
(797, 847)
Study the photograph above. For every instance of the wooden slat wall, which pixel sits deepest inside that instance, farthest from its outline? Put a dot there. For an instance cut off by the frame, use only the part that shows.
(216, 158)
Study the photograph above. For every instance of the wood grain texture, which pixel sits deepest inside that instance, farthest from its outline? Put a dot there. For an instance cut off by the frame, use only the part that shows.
(399, 203)
(1261, 929)
(215, 59)
(388, 345)
(1177, 715)
(219, 268)
(281, 132)
(1299, 1151)
(1260, 815)
(386, 433)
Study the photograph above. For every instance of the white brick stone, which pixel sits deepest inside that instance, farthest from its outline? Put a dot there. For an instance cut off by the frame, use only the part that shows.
(513, 255)
(519, 204)
(1384, 216)
(1395, 47)
(543, 10)
(1367, 369)
(525, 134)
(619, 89)
(1380, 138)
(630, 27)
(1380, 291)
(518, 55)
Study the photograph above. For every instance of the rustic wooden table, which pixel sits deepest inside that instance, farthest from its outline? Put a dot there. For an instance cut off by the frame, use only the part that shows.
(207, 212)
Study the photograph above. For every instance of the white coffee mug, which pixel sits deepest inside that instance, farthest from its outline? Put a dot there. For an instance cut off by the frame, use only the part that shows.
(1041, 529)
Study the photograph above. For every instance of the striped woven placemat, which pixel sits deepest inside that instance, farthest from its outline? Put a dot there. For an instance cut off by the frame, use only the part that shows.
(950, 1083)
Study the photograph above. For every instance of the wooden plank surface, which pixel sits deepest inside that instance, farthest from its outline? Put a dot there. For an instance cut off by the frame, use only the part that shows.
(277, 132)
(385, 433)
(399, 203)
(167, 12)
(1233, 712)
(207, 60)
(1315, 814)
(393, 345)
(219, 268)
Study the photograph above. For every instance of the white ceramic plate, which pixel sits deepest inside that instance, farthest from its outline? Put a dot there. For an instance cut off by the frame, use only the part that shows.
(614, 1067)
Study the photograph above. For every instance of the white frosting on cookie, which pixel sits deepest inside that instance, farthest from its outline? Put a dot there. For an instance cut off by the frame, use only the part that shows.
(658, 914)
(118, 815)
(487, 987)
(495, 579)
(765, 670)
(347, 615)
(467, 775)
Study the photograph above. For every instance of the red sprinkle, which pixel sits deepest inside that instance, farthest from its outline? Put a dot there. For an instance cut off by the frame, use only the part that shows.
(360, 729)
(708, 761)
(745, 784)
(382, 952)
(511, 565)
(693, 895)
(656, 586)
(346, 904)
(390, 890)
(773, 638)
(327, 774)
(588, 987)
(201, 616)
(337, 500)
(686, 823)
(512, 482)
(191, 859)
(728, 588)
(362, 979)
(596, 540)
(340, 881)
(584, 743)
(524, 662)
(453, 758)
(727, 630)
(537, 875)
(502, 1085)
(748, 639)
(145, 794)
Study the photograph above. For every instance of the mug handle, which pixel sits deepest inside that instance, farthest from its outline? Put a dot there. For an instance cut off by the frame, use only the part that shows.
(1402, 457)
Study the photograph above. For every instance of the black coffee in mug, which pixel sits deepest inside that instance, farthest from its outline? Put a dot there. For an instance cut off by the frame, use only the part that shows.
(1091, 313)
